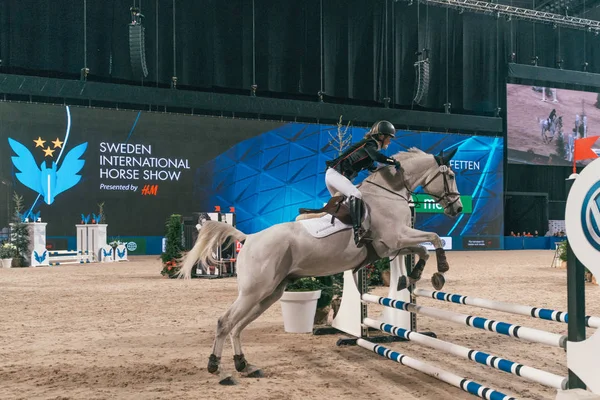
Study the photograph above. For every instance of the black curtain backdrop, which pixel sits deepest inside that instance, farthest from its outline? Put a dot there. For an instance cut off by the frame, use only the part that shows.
(525, 214)
(539, 179)
(368, 47)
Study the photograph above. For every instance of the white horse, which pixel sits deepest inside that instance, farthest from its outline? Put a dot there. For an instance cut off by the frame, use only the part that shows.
(554, 127)
(272, 258)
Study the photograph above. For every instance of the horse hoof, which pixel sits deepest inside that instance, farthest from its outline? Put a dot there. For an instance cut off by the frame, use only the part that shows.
(253, 372)
(438, 281)
(402, 283)
(226, 380)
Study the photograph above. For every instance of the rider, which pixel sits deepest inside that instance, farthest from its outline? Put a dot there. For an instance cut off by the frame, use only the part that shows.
(362, 155)
(551, 116)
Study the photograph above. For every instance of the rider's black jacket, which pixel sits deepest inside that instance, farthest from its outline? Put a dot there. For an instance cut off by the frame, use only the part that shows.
(359, 156)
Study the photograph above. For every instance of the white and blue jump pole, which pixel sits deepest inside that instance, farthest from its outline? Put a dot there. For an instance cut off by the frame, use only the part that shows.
(535, 312)
(503, 328)
(438, 373)
(511, 367)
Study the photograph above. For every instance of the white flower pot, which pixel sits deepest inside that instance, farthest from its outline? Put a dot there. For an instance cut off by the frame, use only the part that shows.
(298, 309)
(6, 262)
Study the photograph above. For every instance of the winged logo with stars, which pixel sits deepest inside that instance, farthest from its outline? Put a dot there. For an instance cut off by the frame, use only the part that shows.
(48, 181)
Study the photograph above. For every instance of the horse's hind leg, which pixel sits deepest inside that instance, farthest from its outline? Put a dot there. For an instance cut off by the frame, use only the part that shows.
(241, 365)
(238, 310)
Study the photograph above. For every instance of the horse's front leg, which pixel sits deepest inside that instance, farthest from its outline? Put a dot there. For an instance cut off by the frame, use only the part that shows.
(409, 237)
(415, 273)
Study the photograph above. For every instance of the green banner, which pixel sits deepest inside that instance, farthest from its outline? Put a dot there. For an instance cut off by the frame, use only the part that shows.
(426, 204)
(135, 245)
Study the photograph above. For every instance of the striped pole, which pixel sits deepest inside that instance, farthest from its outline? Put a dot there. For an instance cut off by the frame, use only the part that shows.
(438, 373)
(503, 328)
(535, 312)
(536, 375)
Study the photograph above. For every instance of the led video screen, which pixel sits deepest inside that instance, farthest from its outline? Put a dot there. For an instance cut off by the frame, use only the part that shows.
(544, 122)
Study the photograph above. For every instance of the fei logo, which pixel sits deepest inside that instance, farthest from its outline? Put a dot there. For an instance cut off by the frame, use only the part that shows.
(48, 182)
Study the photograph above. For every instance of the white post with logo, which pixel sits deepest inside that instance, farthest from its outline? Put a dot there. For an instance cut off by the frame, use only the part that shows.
(91, 238)
(582, 222)
(37, 243)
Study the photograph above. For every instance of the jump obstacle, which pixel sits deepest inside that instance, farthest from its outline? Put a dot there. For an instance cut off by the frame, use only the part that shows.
(226, 267)
(91, 247)
(399, 321)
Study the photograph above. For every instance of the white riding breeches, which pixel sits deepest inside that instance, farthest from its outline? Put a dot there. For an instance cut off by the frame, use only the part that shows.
(337, 182)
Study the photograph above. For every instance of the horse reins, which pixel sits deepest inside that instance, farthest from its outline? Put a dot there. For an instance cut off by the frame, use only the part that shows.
(443, 170)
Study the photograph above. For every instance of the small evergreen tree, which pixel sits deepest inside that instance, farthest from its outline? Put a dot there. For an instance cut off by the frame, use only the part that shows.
(174, 245)
(20, 233)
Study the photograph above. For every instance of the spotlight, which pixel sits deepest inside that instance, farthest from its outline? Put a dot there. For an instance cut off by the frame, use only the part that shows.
(84, 73)
(447, 107)
(386, 102)
(253, 90)
(584, 66)
(320, 93)
(174, 82)
(534, 60)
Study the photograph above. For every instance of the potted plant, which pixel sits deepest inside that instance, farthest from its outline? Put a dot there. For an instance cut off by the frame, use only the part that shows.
(299, 304)
(378, 273)
(174, 246)
(7, 252)
(562, 253)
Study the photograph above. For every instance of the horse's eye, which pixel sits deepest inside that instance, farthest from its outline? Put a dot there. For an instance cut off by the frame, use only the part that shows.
(451, 177)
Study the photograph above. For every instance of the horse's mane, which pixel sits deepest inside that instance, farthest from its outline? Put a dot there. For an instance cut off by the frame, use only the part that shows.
(410, 153)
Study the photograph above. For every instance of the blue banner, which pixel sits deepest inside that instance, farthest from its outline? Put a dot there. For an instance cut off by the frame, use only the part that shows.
(269, 177)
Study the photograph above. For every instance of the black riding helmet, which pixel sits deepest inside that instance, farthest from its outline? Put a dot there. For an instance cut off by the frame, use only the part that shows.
(383, 128)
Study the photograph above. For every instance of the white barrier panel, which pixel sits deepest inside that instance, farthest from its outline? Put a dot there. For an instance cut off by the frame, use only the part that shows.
(120, 253)
(106, 254)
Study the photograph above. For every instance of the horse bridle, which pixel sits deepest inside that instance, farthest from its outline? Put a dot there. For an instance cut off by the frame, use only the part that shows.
(444, 171)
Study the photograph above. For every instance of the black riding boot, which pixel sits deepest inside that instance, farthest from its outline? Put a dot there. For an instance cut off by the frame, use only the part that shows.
(356, 214)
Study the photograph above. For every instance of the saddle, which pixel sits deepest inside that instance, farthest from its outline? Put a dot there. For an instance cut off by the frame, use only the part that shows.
(337, 208)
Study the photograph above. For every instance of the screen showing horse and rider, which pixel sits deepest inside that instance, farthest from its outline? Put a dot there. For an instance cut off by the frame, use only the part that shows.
(543, 123)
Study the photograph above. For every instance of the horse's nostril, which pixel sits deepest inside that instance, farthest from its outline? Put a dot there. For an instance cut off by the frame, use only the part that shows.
(459, 209)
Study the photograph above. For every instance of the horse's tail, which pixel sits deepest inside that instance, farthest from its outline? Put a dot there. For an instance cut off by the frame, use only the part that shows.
(212, 235)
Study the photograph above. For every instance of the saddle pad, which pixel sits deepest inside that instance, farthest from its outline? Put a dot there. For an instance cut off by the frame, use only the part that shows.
(322, 227)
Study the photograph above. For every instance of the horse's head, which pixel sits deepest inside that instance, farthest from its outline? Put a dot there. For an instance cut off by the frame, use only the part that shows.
(432, 173)
(440, 183)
